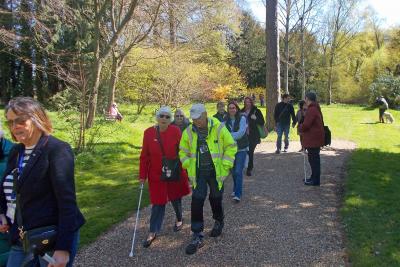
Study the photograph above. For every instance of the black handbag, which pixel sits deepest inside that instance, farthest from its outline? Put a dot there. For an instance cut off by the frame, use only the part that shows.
(171, 170)
(38, 240)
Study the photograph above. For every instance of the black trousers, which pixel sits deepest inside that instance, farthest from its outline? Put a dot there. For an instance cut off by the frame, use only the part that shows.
(199, 195)
(315, 163)
(252, 147)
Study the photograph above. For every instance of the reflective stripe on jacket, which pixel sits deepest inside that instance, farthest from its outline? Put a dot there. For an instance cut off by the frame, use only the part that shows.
(221, 145)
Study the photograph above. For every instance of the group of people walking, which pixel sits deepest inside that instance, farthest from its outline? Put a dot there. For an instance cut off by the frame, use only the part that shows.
(211, 148)
(178, 157)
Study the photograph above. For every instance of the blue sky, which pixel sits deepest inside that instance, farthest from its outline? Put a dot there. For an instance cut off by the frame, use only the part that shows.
(388, 10)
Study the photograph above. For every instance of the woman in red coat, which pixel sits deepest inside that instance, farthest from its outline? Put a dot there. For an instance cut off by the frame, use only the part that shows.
(312, 131)
(150, 168)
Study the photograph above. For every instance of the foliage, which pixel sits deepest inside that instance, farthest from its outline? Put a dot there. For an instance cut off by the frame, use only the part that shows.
(387, 86)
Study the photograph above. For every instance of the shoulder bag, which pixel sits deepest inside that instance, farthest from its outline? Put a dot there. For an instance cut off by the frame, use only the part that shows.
(171, 170)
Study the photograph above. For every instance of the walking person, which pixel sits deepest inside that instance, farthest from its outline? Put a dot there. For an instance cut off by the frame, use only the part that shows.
(221, 112)
(300, 114)
(38, 191)
(237, 125)
(207, 151)
(283, 112)
(159, 141)
(254, 118)
(312, 130)
(180, 120)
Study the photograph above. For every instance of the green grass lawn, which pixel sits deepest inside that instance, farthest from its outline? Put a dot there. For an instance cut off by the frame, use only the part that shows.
(107, 186)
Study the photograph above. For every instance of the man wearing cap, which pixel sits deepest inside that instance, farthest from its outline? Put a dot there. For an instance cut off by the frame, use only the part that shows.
(207, 150)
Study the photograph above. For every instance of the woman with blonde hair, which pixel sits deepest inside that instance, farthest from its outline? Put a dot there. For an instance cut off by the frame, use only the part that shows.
(37, 193)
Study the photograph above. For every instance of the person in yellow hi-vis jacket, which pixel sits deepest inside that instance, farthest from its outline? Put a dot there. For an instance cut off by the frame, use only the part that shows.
(207, 150)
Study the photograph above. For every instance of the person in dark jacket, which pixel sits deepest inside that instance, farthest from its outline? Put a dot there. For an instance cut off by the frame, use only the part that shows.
(383, 106)
(180, 120)
(5, 148)
(221, 112)
(312, 131)
(282, 114)
(44, 167)
(254, 118)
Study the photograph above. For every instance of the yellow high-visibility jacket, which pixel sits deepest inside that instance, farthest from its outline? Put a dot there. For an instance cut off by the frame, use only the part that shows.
(221, 145)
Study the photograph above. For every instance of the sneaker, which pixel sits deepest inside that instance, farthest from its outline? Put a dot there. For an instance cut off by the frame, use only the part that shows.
(236, 199)
(285, 150)
(217, 229)
(277, 151)
(149, 240)
(233, 194)
(195, 244)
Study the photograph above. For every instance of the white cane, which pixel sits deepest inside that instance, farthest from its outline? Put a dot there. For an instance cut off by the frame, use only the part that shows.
(137, 220)
(304, 161)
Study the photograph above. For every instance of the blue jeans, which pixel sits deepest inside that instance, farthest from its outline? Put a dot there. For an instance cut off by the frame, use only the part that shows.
(17, 256)
(158, 212)
(237, 174)
(282, 129)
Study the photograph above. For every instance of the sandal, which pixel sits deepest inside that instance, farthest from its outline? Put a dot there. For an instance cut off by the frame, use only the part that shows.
(148, 241)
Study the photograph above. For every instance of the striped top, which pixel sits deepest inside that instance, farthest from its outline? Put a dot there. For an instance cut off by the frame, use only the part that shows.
(8, 186)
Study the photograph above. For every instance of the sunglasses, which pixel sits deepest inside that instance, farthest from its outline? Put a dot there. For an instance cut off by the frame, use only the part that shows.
(162, 116)
(178, 116)
(18, 121)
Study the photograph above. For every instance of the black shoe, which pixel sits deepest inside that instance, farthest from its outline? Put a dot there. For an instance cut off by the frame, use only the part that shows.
(277, 151)
(310, 183)
(148, 241)
(248, 172)
(178, 228)
(194, 245)
(217, 229)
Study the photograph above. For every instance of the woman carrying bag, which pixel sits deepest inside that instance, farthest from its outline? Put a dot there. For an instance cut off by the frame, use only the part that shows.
(37, 192)
(255, 119)
(160, 165)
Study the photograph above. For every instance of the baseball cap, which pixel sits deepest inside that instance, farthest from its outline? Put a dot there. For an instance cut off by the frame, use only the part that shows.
(196, 110)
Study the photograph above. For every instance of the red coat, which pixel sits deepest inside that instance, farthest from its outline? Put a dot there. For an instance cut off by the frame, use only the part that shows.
(150, 165)
(312, 129)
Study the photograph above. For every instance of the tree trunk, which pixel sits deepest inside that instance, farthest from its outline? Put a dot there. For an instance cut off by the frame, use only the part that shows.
(115, 70)
(303, 69)
(330, 74)
(172, 23)
(286, 64)
(272, 61)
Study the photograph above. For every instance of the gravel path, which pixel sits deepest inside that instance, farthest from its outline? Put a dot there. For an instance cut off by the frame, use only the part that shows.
(279, 222)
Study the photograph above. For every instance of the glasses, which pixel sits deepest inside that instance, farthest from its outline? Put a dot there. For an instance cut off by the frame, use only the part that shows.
(162, 116)
(232, 107)
(178, 116)
(18, 121)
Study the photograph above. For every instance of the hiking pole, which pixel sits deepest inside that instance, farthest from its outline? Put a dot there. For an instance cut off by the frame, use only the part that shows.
(137, 220)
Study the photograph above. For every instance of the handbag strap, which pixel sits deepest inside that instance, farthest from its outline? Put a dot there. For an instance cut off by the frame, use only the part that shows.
(159, 141)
